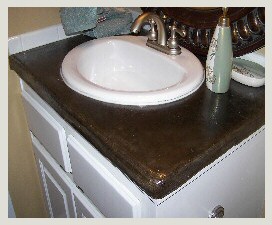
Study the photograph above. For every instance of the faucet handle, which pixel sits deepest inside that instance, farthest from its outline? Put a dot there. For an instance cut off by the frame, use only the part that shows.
(181, 31)
(152, 36)
(172, 41)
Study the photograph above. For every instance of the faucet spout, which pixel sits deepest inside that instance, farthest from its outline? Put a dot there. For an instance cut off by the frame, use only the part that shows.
(145, 17)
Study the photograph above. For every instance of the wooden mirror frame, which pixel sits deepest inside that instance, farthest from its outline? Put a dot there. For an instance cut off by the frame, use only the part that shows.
(247, 24)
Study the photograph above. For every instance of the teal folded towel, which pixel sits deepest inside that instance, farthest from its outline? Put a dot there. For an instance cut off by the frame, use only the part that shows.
(78, 19)
(96, 22)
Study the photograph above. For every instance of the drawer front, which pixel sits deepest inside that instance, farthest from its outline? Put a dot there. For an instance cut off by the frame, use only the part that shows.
(104, 190)
(48, 131)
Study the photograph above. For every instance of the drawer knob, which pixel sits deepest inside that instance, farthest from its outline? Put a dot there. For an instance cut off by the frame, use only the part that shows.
(217, 212)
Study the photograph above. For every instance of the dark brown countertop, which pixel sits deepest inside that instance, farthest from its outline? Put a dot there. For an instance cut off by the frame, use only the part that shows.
(158, 147)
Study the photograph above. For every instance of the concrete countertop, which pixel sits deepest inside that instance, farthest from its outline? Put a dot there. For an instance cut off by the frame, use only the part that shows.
(158, 147)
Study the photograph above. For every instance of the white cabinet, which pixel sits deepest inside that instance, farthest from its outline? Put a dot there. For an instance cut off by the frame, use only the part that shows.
(104, 195)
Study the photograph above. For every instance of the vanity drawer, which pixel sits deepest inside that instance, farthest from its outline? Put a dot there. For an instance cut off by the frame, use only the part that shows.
(110, 196)
(47, 130)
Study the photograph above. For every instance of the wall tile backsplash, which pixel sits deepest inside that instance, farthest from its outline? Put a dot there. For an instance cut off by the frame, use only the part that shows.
(36, 38)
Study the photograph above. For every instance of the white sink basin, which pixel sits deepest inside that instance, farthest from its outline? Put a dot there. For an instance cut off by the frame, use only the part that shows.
(123, 70)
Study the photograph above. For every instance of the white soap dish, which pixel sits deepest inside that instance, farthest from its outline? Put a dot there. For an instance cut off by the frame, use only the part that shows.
(248, 73)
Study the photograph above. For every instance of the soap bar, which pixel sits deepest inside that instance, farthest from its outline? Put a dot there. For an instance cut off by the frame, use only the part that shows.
(248, 73)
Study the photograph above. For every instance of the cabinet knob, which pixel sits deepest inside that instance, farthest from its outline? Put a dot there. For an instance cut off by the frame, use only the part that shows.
(217, 212)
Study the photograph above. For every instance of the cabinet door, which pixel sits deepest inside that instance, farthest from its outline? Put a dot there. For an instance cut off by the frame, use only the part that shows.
(57, 186)
(84, 209)
(56, 196)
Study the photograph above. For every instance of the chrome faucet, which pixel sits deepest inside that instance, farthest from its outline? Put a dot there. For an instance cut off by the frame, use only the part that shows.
(157, 38)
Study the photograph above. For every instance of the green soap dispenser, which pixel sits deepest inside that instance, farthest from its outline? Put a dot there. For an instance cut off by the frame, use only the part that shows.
(220, 56)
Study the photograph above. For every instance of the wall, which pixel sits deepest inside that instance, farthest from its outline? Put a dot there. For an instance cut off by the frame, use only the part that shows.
(23, 181)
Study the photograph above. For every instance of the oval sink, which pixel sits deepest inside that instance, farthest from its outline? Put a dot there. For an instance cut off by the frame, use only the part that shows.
(123, 70)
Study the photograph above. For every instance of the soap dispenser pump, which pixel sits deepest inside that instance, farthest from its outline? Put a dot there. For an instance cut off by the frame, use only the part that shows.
(220, 56)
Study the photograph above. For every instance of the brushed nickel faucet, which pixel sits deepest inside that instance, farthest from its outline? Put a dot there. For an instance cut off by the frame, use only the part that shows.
(157, 37)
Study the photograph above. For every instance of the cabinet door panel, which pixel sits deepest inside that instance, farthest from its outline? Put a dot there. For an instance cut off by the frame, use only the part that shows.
(56, 196)
(57, 186)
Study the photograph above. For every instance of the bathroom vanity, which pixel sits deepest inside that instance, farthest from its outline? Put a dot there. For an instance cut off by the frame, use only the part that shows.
(201, 156)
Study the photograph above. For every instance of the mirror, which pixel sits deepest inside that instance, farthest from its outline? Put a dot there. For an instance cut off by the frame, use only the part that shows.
(247, 24)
